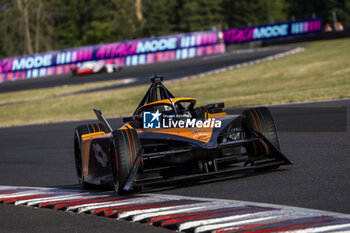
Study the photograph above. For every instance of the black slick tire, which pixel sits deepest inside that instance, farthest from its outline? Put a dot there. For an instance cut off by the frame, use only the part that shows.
(260, 120)
(79, 131)
(125, 147)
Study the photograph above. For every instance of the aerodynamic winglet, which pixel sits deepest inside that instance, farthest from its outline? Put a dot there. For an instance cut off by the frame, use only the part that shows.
(102, 119)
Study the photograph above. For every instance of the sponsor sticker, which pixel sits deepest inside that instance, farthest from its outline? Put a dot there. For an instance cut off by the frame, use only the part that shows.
(157, 120)
(151, 120)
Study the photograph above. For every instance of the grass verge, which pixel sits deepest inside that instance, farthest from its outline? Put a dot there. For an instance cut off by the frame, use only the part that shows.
(321, 72)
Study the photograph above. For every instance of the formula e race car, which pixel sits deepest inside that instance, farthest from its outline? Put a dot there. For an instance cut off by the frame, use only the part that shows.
(168, 140)
(92, 67)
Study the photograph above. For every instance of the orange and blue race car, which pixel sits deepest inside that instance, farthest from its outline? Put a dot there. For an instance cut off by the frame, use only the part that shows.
(168, 140)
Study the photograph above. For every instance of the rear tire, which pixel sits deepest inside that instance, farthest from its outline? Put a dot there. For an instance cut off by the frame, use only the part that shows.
(79, 131)
(74, 72)
(260, 120)
(124, 149)
(103, 70)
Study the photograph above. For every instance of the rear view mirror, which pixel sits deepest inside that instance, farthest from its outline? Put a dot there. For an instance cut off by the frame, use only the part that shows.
(132, 118)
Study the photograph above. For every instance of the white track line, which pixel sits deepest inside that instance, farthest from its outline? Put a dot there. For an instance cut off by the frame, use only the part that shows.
(160, 212)
(197, 223)
(344, 228)
(235, 221)
(131, 201)
(231, 224)
(138, 215)
(36, 201)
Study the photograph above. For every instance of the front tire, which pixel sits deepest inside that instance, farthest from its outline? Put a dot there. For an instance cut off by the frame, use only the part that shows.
(260, 120)
(125, 147)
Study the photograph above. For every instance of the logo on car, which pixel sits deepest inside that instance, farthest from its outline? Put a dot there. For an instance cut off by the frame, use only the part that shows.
(100, 155)
(151, 120)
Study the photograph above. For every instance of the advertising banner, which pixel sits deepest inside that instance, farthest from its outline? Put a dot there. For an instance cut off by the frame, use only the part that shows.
(272, 31)
(148, 50)
(127, 53)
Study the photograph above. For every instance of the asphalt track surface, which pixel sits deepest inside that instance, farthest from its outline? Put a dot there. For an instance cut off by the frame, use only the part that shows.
(170, 70)
(314, 136)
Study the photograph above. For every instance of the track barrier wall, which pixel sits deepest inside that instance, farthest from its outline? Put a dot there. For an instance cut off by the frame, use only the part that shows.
(149, 50)
(272, 31)
(127, 53)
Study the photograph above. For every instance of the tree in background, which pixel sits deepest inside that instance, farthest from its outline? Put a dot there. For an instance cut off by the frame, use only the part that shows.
(320, 8)
(200, 15)
(253, 12)
(111, 20)
(71, 20)
(26, 26)
(88, 22)
(159, 17)
(29, 26)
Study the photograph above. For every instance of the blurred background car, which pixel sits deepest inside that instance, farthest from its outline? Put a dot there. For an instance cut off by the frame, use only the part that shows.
(91, 67)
